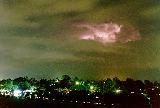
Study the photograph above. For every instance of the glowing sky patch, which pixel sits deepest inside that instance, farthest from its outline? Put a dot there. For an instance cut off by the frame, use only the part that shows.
(106, 33)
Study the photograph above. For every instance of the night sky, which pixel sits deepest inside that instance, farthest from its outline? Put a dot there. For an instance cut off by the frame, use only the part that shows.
(45, 39)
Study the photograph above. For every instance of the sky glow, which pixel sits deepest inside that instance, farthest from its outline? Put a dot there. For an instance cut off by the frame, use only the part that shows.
(107, 33)
(104, 33)
(91, 39)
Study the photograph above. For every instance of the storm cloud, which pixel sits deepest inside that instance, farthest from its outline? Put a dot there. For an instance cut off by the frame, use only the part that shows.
(38, 39)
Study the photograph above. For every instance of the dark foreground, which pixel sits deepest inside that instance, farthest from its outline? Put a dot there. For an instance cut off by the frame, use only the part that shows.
(110, 103)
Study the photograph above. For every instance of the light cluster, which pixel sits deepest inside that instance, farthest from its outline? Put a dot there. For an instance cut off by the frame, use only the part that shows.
(83, 91)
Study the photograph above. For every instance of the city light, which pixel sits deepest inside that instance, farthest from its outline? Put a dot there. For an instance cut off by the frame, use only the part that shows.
(91, 87)
(17, 93)
(118, 91)
(77, 82)
(57, 81)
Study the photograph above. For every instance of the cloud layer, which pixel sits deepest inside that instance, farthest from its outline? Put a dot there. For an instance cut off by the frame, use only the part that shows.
(38, 39)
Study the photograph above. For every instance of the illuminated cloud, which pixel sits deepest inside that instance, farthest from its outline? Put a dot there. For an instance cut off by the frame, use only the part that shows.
(108, 33)
(36, 39)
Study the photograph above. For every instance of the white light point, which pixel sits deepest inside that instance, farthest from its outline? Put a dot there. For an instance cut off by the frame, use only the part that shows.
(17, 93)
